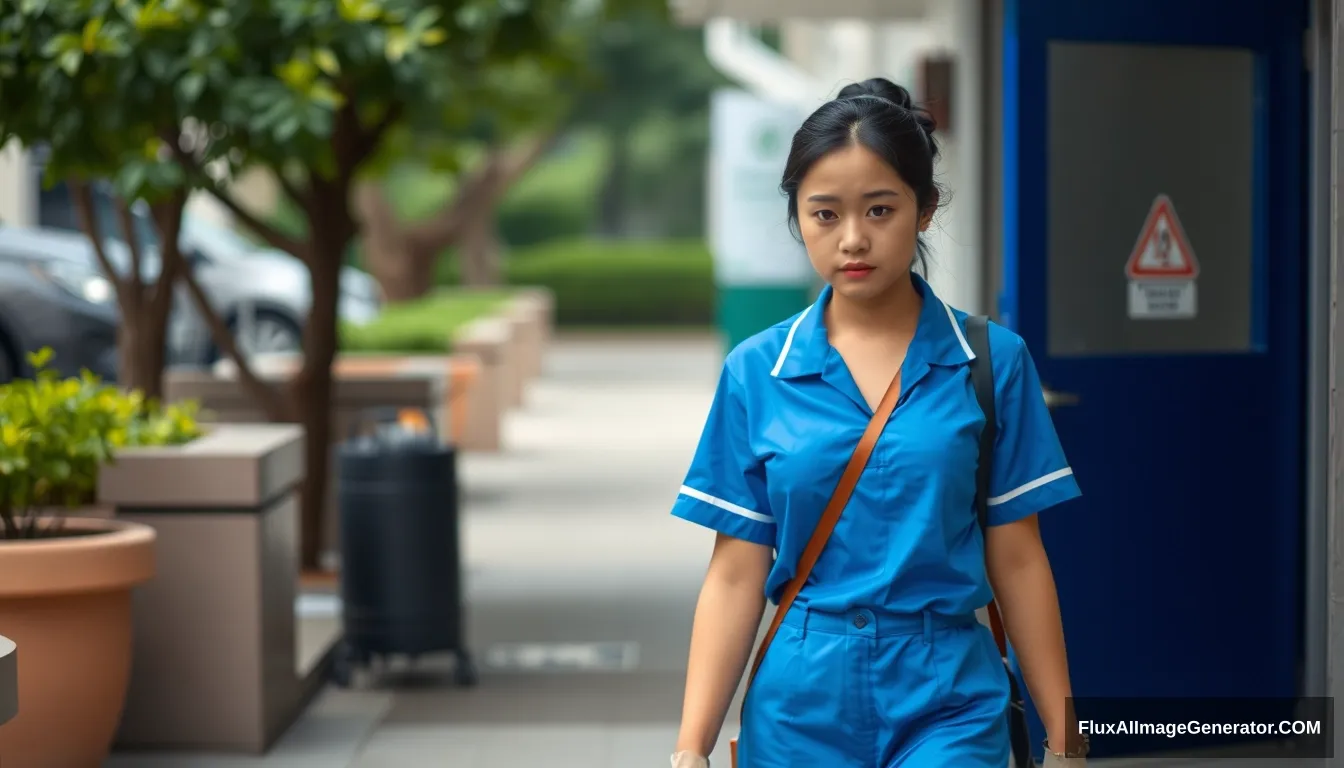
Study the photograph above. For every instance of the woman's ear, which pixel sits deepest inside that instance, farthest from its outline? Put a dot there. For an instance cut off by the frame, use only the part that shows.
(925, 219)
(926, 215)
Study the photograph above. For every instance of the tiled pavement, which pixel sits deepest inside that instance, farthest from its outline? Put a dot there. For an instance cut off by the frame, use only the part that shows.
(568, 541)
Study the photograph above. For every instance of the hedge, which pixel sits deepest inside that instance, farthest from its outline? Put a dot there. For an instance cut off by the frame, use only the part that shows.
(604, 284)
(424, 326)
(621, 282)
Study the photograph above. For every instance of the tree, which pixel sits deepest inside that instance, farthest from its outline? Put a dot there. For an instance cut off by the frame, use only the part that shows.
(585, 78)
(647, 69)
(69, 81)
(309, 90)
(495, 135)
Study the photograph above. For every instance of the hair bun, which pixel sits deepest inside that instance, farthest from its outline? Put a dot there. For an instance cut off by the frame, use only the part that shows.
(881, 88)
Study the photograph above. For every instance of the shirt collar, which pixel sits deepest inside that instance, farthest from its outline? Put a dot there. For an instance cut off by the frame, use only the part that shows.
(939, 338)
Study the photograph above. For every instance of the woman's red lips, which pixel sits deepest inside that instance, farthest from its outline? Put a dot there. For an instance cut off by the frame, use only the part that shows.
(856, 269)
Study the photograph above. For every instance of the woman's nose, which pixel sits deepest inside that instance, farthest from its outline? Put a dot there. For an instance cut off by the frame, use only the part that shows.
(853, 239)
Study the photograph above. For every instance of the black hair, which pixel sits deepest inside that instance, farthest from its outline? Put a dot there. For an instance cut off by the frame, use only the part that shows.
(882, 117)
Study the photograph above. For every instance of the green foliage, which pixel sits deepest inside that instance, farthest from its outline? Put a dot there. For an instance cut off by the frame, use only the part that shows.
(557, 199)
(619, 283)
(427, 325)
(56, 433)
(100, 81)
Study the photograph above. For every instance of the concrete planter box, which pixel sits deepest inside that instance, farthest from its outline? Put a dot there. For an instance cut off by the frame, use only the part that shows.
(491, 342)
(530, 311)
(541, 302)
(353, 397)
(216, 658)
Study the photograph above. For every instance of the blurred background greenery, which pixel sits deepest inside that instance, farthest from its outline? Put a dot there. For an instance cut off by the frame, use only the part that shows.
(611, 217)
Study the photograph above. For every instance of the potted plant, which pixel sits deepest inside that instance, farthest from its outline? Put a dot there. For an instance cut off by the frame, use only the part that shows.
(66, 581)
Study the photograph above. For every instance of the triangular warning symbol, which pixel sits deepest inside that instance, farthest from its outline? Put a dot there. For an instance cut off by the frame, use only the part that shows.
(1162, 249)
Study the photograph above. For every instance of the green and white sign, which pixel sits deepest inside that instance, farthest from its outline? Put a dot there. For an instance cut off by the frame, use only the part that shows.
(762, 272)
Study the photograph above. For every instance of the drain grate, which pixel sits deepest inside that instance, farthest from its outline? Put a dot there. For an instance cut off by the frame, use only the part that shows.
(564, 657)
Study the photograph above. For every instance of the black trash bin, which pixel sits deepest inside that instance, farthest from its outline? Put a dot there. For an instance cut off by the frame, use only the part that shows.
(401, 563)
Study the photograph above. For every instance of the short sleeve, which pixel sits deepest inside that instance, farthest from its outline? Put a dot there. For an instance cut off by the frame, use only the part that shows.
(724, 488)
(1030, 472)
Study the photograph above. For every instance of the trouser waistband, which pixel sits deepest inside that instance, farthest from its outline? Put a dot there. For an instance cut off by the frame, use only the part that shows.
(873, 622)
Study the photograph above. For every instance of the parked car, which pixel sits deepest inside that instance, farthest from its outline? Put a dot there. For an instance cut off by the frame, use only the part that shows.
(262, 293)
(52, 295)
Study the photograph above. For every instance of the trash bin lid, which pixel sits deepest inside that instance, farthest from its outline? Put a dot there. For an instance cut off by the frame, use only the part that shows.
(392, 430)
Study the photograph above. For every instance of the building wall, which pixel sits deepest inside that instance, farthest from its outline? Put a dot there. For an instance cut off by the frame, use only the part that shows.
(836, 53)
(18, 194)
(957, 272)
(1335, 373)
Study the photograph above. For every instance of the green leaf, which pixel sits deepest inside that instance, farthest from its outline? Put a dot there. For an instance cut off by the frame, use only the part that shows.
(190, 86)
(399, 42)
(60, 44)
(70, 61)
(287, 127)
(131, 179)
(327, 62)
(358, 10)
(40, 358)
(298, 74)
(325, 95)
(433, 36)
(89, 37)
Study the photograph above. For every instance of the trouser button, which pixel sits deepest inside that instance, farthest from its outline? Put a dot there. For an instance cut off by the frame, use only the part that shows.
(860, 620)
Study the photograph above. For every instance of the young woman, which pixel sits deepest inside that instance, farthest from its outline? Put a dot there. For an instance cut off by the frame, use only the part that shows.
(880, 662)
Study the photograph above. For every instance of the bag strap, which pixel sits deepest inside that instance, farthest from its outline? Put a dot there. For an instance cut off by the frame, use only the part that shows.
(857, 461)
(982, 377)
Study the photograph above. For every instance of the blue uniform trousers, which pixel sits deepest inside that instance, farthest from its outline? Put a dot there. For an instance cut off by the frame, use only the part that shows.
(868, 689)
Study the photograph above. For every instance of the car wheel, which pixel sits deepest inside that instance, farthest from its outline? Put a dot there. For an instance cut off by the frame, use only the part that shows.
(268, 333)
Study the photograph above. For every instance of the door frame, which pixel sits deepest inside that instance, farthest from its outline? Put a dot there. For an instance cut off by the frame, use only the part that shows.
(1317, 554)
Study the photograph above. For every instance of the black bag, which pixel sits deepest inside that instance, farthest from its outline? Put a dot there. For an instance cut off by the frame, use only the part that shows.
(982, 377)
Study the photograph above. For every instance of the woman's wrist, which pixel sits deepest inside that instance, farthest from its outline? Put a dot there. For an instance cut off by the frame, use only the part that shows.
(1066, 744)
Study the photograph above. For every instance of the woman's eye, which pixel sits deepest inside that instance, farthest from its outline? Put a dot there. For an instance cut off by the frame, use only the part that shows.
(825, 215)
(880, 210)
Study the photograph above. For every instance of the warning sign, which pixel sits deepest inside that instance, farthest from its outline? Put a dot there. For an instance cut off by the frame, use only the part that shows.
(1162, 267)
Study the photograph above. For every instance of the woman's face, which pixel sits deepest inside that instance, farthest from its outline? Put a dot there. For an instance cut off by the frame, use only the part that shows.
(859, 221)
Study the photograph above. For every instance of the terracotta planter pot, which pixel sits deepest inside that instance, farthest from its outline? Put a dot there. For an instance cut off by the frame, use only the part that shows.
(66, 602)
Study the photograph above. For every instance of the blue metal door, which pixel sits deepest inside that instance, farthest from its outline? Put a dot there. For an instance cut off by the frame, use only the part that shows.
(1176, 385)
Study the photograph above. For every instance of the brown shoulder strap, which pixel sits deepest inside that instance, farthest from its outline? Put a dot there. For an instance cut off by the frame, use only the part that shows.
(831, 515)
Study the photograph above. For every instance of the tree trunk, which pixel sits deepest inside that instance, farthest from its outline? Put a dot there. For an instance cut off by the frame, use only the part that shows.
(141, 351)
(403, 257)
(142, 334)
(481, 250)
(332, 226)
(404, 270)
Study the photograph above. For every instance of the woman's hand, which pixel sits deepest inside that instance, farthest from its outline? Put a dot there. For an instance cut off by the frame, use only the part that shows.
(688, 759)
(727, 620)
(1024, 588)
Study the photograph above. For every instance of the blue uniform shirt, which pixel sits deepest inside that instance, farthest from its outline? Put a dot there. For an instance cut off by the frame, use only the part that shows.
(785, 419)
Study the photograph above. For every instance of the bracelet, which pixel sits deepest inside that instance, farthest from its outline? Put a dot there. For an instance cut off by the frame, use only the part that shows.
(1045, 745)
